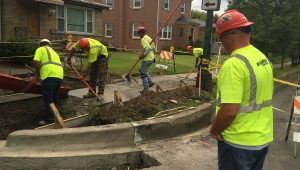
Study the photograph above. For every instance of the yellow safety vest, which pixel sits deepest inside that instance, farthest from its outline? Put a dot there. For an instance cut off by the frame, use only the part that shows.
(247, 79)
(50, 63)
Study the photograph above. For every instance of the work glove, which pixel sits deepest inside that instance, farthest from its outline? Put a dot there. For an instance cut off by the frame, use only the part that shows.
(141, 56)
(83, 77)
(69, 61)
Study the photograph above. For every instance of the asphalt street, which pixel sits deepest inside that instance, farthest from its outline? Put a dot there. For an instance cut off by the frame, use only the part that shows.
(198, 151)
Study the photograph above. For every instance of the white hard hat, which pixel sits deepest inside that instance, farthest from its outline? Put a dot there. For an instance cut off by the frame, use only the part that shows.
(45, 40)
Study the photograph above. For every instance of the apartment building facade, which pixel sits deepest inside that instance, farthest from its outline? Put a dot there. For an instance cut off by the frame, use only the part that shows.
(120, 23)
(52, 19)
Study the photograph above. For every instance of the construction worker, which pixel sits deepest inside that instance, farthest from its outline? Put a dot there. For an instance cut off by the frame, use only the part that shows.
(244, 121)
(198, 53)
(97, 64)
(47, 62)
(147, 56)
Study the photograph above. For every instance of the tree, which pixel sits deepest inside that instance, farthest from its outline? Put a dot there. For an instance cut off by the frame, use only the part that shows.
(277, 25)
(195, 14)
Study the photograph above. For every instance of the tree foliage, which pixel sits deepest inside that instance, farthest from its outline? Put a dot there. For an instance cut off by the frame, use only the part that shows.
(195, 14)
(277, 25)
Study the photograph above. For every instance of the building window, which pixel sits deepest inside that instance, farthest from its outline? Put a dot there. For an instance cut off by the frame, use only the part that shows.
(181, 32)
(182, 9)
(167, 5)
(135, 34)
(137, 3)
(60, 18)
(166, 33)
(75, 19)
(110, 3)
(89, 22)
(108, 30)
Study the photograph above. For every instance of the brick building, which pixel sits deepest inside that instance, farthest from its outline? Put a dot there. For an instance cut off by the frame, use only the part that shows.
(52, 19)
(123, 18)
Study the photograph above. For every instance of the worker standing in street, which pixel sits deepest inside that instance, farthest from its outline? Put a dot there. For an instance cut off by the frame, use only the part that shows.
(244, 121)
(148, 58)
(97, 66)
(47, 62)
(198, 53)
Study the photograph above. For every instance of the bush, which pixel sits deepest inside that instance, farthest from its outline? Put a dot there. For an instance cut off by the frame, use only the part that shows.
(12, 49)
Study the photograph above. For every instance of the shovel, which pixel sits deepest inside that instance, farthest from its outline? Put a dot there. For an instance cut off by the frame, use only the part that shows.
(85, 82)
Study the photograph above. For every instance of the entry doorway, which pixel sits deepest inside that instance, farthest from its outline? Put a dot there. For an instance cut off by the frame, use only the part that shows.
(33, 19)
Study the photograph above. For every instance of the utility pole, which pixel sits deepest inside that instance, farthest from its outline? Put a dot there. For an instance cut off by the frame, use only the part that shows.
(206, 77)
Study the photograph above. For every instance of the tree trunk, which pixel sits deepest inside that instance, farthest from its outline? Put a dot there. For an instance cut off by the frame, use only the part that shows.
(282, 60)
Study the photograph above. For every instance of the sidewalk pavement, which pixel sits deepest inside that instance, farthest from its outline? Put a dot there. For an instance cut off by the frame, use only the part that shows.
(128, 92)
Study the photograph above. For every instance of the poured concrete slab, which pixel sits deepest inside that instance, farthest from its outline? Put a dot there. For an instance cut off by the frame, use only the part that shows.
(166, 82)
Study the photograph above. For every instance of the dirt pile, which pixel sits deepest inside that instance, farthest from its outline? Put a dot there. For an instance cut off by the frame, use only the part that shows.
(147, 105)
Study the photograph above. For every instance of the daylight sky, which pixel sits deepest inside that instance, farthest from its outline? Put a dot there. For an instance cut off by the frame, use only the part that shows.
(196, 4)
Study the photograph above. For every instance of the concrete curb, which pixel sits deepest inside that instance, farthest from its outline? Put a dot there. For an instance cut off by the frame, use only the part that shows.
(45, 148)
(173, 125)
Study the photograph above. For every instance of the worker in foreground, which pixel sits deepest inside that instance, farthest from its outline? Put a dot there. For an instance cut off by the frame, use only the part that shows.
(244, 121)
(47, 62)
(97, 66)
(148, 58)
(198, 53)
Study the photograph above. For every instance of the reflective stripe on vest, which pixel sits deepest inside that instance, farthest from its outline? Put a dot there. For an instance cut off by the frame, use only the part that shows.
(96, 46)
(252, 101)
(49, 59)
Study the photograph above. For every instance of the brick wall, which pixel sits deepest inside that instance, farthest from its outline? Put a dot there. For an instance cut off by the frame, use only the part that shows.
(122, 16)
(14, 15)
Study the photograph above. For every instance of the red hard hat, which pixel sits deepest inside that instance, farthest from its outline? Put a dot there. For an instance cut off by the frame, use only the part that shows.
(140, 28)
(84, 43)
(189, 47)
(231, 19)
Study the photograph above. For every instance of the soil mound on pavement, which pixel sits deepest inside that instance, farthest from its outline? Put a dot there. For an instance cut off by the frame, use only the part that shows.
(147, 105)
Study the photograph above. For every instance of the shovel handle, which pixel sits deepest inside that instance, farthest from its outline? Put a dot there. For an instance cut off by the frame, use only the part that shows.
(133, 66)
(84, 81)
(155, 36)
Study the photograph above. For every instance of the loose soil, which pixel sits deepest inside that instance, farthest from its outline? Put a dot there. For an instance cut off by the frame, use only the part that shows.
(147, 105)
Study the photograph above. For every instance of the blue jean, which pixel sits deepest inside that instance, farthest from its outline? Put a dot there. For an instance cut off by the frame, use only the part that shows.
(232, 158)
(145, 75)
(50, 89)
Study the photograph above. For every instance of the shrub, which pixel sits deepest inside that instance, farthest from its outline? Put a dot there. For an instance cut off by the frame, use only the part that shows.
(12, 49)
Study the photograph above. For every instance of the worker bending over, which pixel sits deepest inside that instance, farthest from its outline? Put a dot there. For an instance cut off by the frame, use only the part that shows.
(97, 66)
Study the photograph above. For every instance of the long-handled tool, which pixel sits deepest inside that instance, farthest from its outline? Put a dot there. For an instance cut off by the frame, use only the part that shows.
(86, 83)
(127, 76)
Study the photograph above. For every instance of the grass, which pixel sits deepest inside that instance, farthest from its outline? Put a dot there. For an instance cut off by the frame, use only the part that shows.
(286, 70)
(120, 62)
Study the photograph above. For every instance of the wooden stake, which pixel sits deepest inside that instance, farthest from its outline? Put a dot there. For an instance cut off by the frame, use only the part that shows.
(182, 82)
(158, 89)
(57, 115)
(118, 99)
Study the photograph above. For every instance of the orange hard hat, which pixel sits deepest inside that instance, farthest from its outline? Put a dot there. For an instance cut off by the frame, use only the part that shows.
(84, 43)
(140, 28)
(231, 19)
(189, 47)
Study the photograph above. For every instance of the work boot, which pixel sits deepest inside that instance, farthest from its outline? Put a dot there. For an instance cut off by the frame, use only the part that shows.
(43, 122)
(88, 95)
(151, 84)
(144, 91)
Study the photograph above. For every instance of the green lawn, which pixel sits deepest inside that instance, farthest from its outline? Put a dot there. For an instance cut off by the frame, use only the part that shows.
(120, 62)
